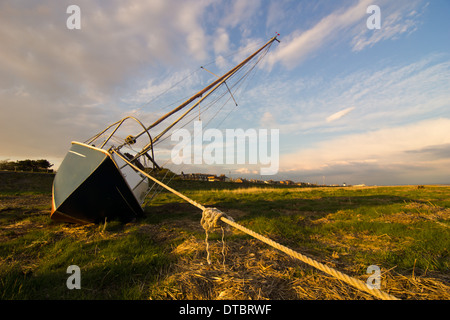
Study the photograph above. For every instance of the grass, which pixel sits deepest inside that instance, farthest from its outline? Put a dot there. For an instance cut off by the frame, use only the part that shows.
(404, 230)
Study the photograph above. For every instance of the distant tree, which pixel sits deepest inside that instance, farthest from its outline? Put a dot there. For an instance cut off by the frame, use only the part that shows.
(26, 165)
(43, 165)
(6, 165)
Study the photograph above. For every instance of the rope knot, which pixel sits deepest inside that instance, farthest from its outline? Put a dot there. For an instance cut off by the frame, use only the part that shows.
(211, 218)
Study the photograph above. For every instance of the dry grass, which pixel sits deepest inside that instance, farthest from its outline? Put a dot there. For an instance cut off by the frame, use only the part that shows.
(415, 212)
(268, 189)
(252, 271)
(165, 254)
(253, 190)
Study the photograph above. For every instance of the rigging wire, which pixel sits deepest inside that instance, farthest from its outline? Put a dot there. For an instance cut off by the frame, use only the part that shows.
(167, 90)
(247, 48)
(244, 77)
(168, 181)
(236, 83)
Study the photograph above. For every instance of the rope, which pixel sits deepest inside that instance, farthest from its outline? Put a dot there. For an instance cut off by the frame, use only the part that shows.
(337, 274)
(213, 215)
(210, 219)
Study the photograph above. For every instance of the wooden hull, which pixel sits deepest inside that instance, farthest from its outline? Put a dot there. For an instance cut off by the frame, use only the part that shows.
(90, 187)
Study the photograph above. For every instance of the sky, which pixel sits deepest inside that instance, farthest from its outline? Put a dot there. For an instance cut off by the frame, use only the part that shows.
(352, 104)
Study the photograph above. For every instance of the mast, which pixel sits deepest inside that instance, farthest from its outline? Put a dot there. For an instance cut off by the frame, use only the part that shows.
(204, 93)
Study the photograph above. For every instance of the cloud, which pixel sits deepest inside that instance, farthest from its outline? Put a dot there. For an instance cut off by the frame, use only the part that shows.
(395, 22)
(300, 44)
(267, 120)
(157, 90)
(339, 114)
(58, 85)
(70, 83)
(348, 24)
(441, 151)
(409, 147)
(239, 13)
(379, 95)
(221, 41)
(245, 171)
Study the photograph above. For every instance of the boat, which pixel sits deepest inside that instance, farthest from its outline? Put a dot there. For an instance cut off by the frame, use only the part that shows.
(103, 178)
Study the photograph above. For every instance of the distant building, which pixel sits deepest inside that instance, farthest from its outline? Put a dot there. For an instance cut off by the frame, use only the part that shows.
(224, 178)
(204, 177)
(195, 176)
(256, 181)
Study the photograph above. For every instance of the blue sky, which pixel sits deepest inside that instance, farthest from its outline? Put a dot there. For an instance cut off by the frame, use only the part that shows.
(352, 104)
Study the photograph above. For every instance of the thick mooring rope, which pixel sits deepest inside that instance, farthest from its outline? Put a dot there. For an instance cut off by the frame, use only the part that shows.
(333, 272)
(211, 217)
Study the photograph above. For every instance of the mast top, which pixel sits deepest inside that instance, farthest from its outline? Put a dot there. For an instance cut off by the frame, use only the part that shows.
(213, 84)
(202, 94)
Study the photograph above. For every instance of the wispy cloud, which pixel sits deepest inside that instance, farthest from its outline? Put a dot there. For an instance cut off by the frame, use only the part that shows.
(239, 13)
(301, 44)
(367, 99)
(395, 22)
(339, 114)
(347, 24)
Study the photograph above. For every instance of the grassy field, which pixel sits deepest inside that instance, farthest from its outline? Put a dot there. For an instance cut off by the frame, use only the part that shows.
(404, 230)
